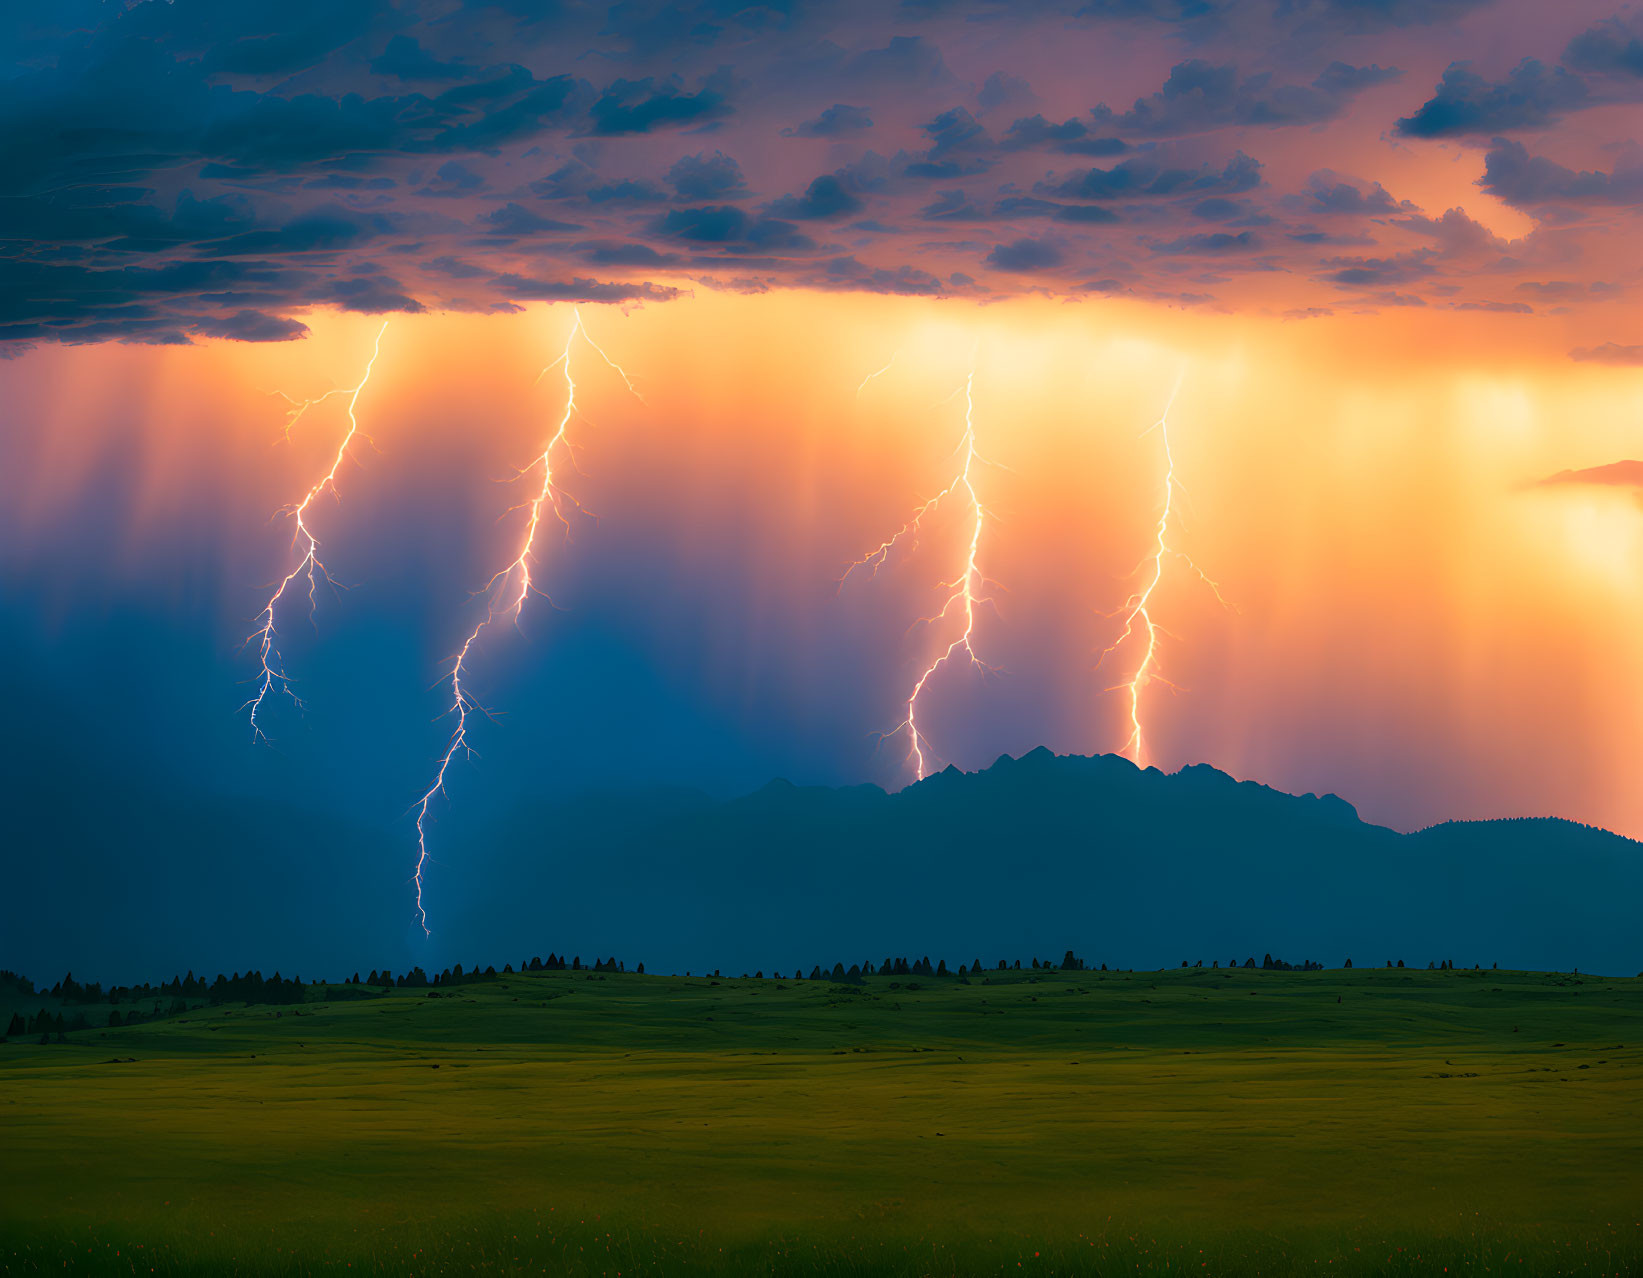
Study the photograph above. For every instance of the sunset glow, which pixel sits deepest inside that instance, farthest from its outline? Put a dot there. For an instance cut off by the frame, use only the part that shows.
(1406, 579)
(840, 469)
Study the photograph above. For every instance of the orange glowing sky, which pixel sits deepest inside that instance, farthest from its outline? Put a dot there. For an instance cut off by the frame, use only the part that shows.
(1378, 258)
(1420, 623)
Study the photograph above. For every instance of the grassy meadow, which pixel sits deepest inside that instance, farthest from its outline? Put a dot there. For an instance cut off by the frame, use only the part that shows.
(1199, 1121)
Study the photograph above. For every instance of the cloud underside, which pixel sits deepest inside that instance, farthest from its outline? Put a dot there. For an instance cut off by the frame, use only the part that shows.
(187, 170)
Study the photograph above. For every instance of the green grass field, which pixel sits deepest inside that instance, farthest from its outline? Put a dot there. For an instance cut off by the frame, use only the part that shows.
(1205, 1122)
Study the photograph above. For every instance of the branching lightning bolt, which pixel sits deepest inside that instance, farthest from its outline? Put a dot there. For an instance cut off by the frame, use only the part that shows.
(964, 590)
(272, 673)
(509, 588)
(1137, 609)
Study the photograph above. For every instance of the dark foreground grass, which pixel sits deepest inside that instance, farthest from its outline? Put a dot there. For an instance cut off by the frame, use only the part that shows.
(1206, 1122)
(531, 1244)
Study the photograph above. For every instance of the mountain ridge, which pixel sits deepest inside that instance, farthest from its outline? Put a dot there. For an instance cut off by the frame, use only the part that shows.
(1032, 855)
(1038, 853)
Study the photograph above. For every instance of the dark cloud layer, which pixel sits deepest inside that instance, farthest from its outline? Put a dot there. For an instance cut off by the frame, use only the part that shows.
(1199, 96)
(192, 169)
(1527, 180)
(837, 121)
(1531, 96)
(1608, 353)
(1601, 65)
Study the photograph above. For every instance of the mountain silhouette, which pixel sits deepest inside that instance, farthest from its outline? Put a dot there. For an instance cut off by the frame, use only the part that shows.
(1033, 855)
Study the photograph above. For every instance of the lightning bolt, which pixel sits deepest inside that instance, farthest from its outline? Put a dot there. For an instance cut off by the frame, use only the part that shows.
(964, 590)
(876, 375)
(508, 589)
(272, 673)
(1137, 609)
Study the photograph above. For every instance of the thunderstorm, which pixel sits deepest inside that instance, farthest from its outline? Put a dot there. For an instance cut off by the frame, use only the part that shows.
(508, 589)
(272, 673)
(964, 589)
(1137, 609)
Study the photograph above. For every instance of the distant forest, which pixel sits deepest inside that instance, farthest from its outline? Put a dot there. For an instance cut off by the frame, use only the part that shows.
(133, 1004)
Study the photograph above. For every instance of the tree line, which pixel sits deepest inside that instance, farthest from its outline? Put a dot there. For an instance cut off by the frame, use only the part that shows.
(416, 978)
(180, 993)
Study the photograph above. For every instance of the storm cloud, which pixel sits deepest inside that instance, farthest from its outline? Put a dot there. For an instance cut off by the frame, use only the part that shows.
(171, 171)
